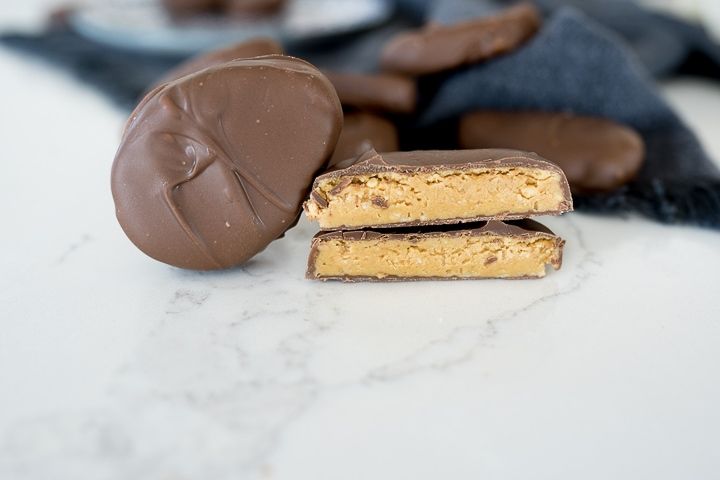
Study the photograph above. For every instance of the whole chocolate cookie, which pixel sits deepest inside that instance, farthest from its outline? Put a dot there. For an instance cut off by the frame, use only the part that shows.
(596, 154)
(214, 166)
(435, 48)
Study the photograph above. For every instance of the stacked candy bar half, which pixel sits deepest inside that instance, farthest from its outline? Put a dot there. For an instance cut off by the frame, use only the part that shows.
(436, 215)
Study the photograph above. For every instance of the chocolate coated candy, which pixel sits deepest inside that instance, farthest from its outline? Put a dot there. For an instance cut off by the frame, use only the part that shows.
(362, 132)
(436, 187)
(596, 154)
(438, 47)
(251, 48)
(382, 92)
(520, 249)
(214, 166)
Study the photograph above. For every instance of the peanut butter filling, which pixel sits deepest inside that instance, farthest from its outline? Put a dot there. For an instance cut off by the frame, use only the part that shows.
(461, 256)
(390, 198)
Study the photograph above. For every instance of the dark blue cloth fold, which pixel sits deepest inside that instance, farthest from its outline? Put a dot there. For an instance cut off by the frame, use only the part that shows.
(662, 43)
(593, 57)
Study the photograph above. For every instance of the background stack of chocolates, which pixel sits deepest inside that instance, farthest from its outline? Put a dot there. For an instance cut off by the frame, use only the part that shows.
(597, 155)
(217, 159)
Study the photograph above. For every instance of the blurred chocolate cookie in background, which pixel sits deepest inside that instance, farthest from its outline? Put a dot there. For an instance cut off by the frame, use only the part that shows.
(363, 131)
(382, 91)
(435, 47)
(596, 154)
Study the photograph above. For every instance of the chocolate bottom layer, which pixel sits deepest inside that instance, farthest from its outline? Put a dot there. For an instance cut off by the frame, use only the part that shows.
(493, 249)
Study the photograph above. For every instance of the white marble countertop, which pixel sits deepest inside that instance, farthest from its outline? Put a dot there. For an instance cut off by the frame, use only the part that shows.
(113, 366)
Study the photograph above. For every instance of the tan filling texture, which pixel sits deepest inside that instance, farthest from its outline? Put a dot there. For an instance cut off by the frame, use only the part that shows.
(392, 198)
(486, 256)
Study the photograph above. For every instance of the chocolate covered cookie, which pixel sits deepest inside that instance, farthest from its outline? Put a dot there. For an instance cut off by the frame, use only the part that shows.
(364, 131)
(442, 47)
(215, 165)
(596, 154)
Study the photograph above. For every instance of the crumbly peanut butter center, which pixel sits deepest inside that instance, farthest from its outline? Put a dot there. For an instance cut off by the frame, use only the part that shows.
(485, 256)
(391, 198)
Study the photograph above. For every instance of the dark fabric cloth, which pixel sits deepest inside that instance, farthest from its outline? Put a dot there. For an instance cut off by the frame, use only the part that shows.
(593, 57)
(662, 43)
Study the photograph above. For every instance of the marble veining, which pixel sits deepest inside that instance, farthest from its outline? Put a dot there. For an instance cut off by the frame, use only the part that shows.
(227, 366)
(458, 346)
(73, 247)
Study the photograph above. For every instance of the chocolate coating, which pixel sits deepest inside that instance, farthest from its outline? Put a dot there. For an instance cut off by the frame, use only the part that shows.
(383, 92)
(438, 47)
(519, 228)
(435, 160)
(596, 154)
(214, 166)
(251, 48)
(364, 131)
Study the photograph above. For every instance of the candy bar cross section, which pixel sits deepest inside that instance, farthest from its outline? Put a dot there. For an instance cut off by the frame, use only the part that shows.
(437, 187)
(521, 249)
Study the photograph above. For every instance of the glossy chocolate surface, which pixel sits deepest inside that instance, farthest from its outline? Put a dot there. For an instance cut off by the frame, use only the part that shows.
(435, 48)
(596, 154)
(215, 165)
(433, 160)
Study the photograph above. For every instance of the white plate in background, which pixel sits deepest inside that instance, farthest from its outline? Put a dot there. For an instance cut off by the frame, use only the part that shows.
(145, 25)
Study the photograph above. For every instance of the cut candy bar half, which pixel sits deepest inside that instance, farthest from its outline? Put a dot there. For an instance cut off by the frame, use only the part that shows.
(437, 187)
(520, 249)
